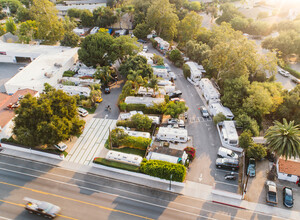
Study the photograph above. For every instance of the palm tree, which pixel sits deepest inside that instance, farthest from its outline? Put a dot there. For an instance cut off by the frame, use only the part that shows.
(284, 139)
(152, 83)
(104, 74)
(135, 78)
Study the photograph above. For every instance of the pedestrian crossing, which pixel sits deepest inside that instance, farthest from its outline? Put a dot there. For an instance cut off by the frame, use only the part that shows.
(91, 141)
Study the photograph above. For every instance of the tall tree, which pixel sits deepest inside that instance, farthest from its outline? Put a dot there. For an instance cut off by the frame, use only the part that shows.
(104, 74)
(136, 63)
(284, 139)
(10, 26)
(49, 26)
(152, 83)
(162, 17)
(70, 39)
(136, 78)
(27, 31)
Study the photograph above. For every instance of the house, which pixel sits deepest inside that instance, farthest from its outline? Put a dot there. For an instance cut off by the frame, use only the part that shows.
(288, 170)
(124, 158)
(196, 71)
(172, 134)
(162, 72)
(75, 90)
(148, 101)
(210, 93)
(163, 45)
(46, 64)
(216, 108)
(167, 154)
(228, 135)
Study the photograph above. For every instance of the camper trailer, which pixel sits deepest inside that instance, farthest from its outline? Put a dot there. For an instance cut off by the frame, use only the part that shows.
(229, 134)
(172, 134)
(75, 90)
(161, 72)
(135, 133)
(196, 71)
(210, 93)
(216, 108)
(148, 101)
(124, 158)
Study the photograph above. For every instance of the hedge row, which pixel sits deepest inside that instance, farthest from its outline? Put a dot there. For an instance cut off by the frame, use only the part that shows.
(292, 71)
(163, 170)
(136, 142)
(116, 164)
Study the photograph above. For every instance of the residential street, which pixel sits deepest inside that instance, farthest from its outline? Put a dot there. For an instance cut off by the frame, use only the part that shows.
(85, 196)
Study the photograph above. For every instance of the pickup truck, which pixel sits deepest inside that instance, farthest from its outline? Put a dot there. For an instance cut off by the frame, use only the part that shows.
(271, 193)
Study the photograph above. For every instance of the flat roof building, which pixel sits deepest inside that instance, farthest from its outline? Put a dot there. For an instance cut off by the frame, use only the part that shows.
(148, 101)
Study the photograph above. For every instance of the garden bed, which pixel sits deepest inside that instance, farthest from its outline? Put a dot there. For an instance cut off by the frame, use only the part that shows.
(115, 164)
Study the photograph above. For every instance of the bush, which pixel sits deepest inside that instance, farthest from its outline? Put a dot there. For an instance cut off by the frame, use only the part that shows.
(219, 118)
(141, 122)
(69, 73)
(247, 123)
(158, 60)
(176, 57)
(163, 169)
(262, 14)
(116, 164)
(191, 152)
(123, 106)
(136, 142)
(154, 43)
(68, 83)
(245, 139)
(186, 71)
(257, 151)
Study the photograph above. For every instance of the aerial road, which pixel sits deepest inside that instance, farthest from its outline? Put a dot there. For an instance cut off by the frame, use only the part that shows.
(87, 196)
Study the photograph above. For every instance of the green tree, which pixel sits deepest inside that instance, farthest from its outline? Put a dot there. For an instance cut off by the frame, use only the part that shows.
(284, 139)
(69, 24)
(256, 151)
(262, 14)
(259, 28)
(136, 63)
(141, 31)
(229, 11)
(219, 118)
(162, 18)
(136, 78)
(49, 26)
(152, 83)
(48, 119)
(87, 19)
(94, 95)
(74, 13)
(247, 123)
(189, 27)
(245, 139)
(186, 71)
(10, 26)
(141, 122)
(158, 60)
(104, 74)
(27, 31)
(199, 52)
(13, 5)
(174, 109)
(176, 57)
(23, 14)
(96, 50)
(70, 39)
(239, 24)
(104, 17)
(2, 30)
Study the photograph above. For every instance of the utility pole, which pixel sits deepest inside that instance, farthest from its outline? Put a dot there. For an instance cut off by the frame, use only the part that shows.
(170, 186)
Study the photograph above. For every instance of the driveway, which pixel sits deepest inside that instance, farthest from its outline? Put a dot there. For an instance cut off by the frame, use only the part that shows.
(7, 71)
(205, 137)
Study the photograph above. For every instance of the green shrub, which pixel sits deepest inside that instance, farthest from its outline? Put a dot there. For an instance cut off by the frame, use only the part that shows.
(122, 106)
(154, 43)
(245, 139)
(186, 71)
(219, 118)
(69, 73)
(176, 57)
(257, 151)
(125, 123)
(116, 164)
(156, 109)
(292, 71)
(68, 83)
(163, 170)
(247, 123)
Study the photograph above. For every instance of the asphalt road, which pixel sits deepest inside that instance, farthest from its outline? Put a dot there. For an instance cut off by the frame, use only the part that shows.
(205, 137)
(7, 71)
(85, 196)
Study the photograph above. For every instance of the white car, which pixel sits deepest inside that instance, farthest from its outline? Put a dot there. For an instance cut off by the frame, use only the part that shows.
(145, 49)
(82, 112)
(283, 72)
(61, 146)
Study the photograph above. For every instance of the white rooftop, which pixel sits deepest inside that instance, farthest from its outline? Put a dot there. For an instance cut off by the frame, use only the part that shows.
(230, 130)
(47, 67)
(148, 101)
(207, 87)
(162, 157)
(167, 130)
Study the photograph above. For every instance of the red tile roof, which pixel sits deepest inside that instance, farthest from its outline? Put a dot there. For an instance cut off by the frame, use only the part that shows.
(289, 166)
(5, 114)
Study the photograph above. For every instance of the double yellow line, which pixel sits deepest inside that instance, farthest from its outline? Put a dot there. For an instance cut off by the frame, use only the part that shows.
(67, 198)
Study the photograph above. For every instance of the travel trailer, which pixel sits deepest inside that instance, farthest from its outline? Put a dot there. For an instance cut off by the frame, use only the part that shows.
(172, 134)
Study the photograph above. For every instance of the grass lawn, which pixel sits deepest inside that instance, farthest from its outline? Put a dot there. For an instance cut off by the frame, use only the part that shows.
(115, 164)
(92, 109)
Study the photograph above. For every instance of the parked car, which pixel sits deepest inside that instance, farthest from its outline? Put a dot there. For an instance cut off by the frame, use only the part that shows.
(61, 146)
(227, 163)
(173, 121)
(107, 90)
(283, 72)
(145, 49)
(42, 208)
(227, 153)
(177, 100)
(174, 94)
(271, 189)
(99, 100)
(82, 112)
(172, 75)
(288, 199)
(295, 80)
(251, 168)
(141, 41)
(204, 112)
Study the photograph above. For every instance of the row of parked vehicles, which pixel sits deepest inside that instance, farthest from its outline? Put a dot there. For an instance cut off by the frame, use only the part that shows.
(271, 198)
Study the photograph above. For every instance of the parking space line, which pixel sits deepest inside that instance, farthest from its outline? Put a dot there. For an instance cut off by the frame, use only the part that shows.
(230, 184)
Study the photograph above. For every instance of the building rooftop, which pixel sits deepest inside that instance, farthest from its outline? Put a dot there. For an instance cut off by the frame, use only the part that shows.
(290, 166)
(143, 100)
(167, 130)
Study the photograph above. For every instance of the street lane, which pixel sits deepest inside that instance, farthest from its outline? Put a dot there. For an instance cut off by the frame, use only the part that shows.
(85, 196)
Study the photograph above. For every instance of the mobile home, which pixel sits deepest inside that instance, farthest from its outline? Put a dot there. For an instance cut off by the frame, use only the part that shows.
(172, 134)
(196, 71)
(216, 108)
(148, 101)
(209, 91)
(229, 134)
(124, 158)
(75, 90)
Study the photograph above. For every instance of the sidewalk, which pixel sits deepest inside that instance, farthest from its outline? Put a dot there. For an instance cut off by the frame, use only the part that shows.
(189, 188)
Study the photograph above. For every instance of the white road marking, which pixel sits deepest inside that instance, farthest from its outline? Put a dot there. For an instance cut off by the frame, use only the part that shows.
(230, 184)
(200, 178)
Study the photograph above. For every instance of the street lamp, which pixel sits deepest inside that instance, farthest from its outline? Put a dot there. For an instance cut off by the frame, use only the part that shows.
(170, 186)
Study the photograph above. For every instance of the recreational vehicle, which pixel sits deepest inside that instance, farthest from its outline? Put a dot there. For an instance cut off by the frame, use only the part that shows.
(172, 134)
(196, 71)
(229, 134)
(209, 91)
(124, 158)
(216, 108)
(75, 90)
(148, 101)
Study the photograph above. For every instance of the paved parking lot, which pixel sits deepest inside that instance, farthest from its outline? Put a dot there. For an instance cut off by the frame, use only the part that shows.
(91, 142)
(7, 71)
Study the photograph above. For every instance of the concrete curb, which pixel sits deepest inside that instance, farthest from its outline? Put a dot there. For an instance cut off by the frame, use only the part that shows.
(227, 204)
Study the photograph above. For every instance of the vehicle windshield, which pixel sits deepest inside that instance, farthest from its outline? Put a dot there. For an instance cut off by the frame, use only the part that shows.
(232, 154)
(288, 198)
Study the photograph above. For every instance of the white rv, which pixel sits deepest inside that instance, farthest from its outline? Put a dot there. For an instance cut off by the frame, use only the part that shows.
(216, 108)
(149, 92)
(75, 90)
(161, 72)
(163, 45)
(196, 71)
(124, 158)
(135, 133)
(210, 93)
(148, 101)
(229, 134)
(172, 134)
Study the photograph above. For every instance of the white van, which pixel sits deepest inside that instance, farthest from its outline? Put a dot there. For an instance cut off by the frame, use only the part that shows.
(61, 146)
(226, 153)
(82, 112)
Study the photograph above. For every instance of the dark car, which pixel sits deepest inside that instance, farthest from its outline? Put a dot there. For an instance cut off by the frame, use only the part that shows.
(175, 94)
(251, 168)
(227, 163)
(107, 90)
(288, 199)
(45, 209)
(141, 41)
